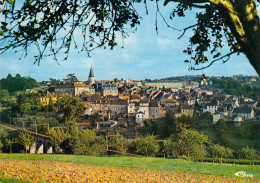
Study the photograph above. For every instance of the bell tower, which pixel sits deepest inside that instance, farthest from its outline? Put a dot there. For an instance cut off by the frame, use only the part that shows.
(91, 77)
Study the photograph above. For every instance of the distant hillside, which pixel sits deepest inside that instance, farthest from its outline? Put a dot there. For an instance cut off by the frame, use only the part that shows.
(180, 78)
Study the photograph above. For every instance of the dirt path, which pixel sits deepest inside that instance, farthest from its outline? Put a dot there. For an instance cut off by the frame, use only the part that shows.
(52, 171)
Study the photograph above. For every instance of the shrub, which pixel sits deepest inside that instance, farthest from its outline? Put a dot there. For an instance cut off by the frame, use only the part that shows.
(146, 145)
(247, 153)
(118, 142)
(218, 151)
(90, 144)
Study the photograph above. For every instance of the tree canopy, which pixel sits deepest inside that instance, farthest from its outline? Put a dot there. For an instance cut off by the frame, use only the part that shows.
(70, 107)
(52, 25)
(18, 83)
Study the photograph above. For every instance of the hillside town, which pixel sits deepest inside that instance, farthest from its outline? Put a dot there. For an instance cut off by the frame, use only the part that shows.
(103, 117)
(140, 101)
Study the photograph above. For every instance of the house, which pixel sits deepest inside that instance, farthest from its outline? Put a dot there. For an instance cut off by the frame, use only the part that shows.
(171, 103)
(119, 107)
(144, 107)
(108, 89)
(154, 109)
(212, 107)
(140, 117)
(186, 100)
(45, 99)
(81, 87)
(135, 98)
(65, 87)
(123, 96)
(187, 110)
(132, 108)
(223, 112)
(74, 89)
(246, 103)
(245, 112)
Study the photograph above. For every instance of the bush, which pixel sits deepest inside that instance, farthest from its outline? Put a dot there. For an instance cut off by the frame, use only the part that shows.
(170, 148)
(218, 151)
(90, 144)
(190, 142)
(247, 153)
(231, 161)
(146, 146)
(118, 142)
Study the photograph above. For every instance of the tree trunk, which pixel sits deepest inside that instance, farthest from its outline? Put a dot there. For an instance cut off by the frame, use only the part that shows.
(242, 19)
(254, 58)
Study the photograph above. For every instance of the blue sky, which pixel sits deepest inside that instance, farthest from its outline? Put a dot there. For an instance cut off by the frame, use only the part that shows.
(146, 55)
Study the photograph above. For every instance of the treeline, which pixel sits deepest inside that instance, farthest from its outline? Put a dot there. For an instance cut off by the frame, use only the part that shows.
(233, 87)
(68, 107)
(17, 83)
(187, 143)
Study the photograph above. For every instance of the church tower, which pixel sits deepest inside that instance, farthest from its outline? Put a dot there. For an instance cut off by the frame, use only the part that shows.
(91, 78)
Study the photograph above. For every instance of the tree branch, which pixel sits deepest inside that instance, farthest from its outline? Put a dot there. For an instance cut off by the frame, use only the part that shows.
(158, 11)
(185, 29)
(227, 55)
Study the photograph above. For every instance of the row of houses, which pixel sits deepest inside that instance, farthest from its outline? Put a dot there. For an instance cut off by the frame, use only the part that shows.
(139, 102)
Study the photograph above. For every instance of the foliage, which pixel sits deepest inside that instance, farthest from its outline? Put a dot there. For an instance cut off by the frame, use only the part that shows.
(188, 142)
(170, 121)
(98, 21)
(250, 129)
(26, 140)
(1, 145)
(9, 143)
(154, 128)
(25, 107)
(58, 136)
(233, 87)
(118, 142)
(230, 161)
(217, 22)
(90, 144)
(17, 83)
(70, 107)
(247, 153)
(3, 133)
(51, 106)
(170, 148)
(218, 151)
(222, 130)
(147, 146)
(4, 93)
(25, 102)
(69, 145)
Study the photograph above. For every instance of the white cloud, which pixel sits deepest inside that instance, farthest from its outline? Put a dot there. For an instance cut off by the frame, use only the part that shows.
(163, 43)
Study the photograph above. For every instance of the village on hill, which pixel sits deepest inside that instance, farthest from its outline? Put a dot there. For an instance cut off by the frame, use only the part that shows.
(139, 101)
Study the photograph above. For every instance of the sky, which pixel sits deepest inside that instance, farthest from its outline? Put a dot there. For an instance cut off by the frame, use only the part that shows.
(146, 54)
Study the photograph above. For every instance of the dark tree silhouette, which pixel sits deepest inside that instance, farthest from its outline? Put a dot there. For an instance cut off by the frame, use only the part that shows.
(52, 25)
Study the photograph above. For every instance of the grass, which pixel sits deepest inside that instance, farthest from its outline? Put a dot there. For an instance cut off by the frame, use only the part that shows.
(145, 163)
(12, 180)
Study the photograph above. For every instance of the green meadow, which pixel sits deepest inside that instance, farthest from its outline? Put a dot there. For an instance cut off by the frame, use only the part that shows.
(146, 163)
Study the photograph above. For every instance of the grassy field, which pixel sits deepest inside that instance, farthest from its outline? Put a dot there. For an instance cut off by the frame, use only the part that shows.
(12, 180)
(145, 163)
(39, 171)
